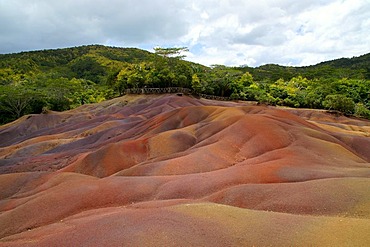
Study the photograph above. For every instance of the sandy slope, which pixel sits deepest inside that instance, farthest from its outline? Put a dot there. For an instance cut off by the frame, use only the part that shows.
(178, 171)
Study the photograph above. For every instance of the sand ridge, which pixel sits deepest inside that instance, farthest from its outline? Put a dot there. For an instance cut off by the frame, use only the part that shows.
(176, 170)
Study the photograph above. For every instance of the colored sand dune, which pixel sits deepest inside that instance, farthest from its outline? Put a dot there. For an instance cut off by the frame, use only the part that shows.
(178, 171)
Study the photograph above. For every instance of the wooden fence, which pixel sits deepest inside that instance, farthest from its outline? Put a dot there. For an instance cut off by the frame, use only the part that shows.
(158, 90)
(167, 90)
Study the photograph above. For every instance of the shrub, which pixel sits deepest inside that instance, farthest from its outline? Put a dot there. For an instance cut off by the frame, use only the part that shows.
(340, 103)
(362, 111)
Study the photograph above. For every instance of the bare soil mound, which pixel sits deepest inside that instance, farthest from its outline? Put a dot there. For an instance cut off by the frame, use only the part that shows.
(178, 171)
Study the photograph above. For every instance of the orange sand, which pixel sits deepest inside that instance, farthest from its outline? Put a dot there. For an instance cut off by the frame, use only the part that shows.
(178, 171)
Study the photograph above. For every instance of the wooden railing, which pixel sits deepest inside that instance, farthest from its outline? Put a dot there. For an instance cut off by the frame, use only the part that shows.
(167, 90)
(158, 90)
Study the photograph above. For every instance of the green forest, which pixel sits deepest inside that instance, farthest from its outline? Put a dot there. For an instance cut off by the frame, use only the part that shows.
(62, 79)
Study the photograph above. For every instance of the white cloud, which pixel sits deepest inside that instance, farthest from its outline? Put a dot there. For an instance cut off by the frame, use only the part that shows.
(286, 32)
(231, 32)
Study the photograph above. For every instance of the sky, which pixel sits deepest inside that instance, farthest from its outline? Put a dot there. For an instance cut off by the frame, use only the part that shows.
(227, 32)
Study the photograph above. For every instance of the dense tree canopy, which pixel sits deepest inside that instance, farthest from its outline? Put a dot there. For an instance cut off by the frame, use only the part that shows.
(173, 52)
(66, 78)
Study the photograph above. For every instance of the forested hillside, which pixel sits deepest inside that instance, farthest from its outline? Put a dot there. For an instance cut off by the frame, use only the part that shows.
(62, 79)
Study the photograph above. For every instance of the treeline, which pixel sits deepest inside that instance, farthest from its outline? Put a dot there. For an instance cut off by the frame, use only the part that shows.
(62, 79)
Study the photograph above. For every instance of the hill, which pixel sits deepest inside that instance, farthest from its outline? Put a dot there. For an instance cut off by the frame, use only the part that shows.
(352, 68)
(63, 79)
(361, 62)
(169, 170)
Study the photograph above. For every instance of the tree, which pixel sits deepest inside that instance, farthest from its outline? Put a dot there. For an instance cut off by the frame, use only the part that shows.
(171, 52)
(122, 79)
(17, 100)
(220, 78)
(196, 84)
(246, 79)
(240, 86)
(88, 68)
(362, 111)
(340, 103)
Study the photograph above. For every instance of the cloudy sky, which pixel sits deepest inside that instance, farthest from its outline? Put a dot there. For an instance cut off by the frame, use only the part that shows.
(229, 32)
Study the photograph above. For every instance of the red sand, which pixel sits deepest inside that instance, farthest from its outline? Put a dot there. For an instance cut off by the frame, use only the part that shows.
(179, 171)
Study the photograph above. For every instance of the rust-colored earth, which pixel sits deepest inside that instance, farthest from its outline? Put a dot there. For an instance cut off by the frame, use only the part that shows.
(178, 171)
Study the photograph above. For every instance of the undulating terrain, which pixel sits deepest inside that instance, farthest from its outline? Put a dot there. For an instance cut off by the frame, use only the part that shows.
(174, 170)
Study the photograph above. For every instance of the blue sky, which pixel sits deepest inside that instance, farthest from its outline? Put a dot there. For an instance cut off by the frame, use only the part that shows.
(229, 32)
